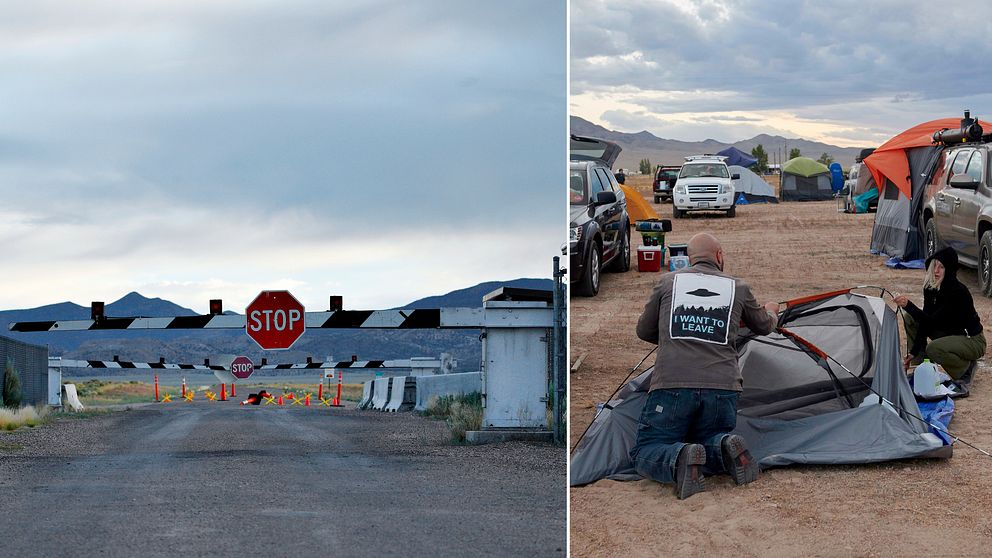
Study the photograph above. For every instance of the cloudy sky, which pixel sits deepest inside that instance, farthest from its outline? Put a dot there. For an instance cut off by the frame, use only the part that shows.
(383, 150)
(850, 73)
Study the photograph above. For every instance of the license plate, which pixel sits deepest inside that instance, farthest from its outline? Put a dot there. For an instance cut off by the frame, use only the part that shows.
(702, 204)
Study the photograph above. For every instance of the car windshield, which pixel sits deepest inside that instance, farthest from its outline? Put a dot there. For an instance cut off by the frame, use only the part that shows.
(578, 189)
(704, 170)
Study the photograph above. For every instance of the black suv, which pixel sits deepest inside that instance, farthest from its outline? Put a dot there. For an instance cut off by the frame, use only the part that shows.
(664, 181)
(599, 228)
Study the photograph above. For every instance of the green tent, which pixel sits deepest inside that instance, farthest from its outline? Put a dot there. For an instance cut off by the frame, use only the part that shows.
(804, 166)
(803, 179)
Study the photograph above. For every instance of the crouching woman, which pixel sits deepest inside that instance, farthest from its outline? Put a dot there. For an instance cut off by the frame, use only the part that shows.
(948, 320)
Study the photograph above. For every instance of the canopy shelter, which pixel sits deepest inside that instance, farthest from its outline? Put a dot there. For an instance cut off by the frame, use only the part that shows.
(796, 407)
(901, 167)
(804, 179)
(737, 157)
(752, 187)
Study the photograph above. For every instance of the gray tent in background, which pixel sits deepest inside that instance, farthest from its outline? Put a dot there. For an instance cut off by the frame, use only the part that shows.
(793, 410)
(751, 186)
(804, 179)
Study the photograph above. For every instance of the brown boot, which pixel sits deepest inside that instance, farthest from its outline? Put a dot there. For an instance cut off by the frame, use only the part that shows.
(738, 461)
(688, 473)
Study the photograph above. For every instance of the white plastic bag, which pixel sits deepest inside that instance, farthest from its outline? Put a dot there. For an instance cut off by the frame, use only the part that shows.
(928, 381)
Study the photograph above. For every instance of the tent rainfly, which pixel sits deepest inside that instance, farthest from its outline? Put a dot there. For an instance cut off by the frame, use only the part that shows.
(795, 408)
(737, 157)
(804, 179)
(901, 167)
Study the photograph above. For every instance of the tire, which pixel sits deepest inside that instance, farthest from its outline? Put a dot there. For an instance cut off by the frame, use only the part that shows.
(732, 212)
(677, 213)
(657, 199)
(589, 284)
(931, 240)
(985, 264)
(621, 262)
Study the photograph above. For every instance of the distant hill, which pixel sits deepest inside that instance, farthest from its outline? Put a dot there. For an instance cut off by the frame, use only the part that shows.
(188, 346)
(672, 152)
(472, 296)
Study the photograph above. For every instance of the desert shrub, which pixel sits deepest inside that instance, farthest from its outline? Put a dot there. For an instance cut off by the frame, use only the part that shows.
(464, 416)
(462, 413)
(11, 386)
(11, 419)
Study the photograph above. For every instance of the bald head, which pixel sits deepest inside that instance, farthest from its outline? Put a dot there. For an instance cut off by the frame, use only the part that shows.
(704, 246)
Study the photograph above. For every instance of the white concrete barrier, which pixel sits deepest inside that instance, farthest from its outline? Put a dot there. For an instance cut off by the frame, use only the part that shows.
(396, 391)
(429, 387)
(71, 399)
(366, 395)
(380, 393)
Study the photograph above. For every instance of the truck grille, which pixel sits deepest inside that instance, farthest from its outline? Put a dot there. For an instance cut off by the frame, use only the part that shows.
(703, 189)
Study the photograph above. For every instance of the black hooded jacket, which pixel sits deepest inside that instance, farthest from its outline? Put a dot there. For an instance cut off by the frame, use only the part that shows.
(949, 310)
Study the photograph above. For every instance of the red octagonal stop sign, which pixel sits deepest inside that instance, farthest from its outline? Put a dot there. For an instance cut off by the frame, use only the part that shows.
(242, 367)
(275, 320)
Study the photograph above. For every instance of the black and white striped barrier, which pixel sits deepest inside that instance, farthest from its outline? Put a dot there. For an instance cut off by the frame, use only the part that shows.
(338, 365)
(436, 318)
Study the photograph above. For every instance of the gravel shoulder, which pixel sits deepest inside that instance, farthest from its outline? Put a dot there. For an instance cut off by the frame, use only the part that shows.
(919, 507)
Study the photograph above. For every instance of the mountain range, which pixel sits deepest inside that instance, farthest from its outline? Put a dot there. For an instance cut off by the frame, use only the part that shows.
(645, 145)
(192, 346)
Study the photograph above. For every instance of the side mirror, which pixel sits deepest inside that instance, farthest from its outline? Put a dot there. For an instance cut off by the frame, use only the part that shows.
(605, 198)
(735, 177)
(964, 181)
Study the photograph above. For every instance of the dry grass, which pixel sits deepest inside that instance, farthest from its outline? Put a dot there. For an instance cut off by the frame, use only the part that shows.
(462, 413)
(99, 392)
(12, 419)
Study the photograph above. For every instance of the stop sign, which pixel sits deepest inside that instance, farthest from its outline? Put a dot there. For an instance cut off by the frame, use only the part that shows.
(242, 367)
(274, 320)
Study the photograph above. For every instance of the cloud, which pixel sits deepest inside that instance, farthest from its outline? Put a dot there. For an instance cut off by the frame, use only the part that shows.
(170, 143)
(773, 57)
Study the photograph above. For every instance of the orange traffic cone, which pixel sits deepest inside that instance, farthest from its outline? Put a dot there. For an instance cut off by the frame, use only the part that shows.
(232, 389)
(280, 401)
(320, 390)
(223, 392)
(306, 402)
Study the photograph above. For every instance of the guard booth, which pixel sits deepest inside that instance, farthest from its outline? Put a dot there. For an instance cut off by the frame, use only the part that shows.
(516, 361)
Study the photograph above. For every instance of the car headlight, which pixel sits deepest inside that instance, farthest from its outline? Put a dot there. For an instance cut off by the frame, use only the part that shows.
(680, 189)
(575, 234)
(726, 188)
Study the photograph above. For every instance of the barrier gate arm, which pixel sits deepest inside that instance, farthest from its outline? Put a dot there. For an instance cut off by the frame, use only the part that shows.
(341, 365)
(495, 316)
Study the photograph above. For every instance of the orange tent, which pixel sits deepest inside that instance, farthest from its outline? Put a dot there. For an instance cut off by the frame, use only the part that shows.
(638, 208)
(889, 160)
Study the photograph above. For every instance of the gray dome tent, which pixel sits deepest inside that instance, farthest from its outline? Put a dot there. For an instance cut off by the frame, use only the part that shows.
(751, 186)
(792, 409)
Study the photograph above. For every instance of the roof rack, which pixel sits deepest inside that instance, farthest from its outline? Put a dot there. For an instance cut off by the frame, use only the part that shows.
(707, 156)
(970, 132)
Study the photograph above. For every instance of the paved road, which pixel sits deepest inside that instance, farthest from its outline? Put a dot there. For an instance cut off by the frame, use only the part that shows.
(219, 479)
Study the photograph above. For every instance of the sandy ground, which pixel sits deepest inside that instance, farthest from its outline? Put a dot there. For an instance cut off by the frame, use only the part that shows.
(906, 508)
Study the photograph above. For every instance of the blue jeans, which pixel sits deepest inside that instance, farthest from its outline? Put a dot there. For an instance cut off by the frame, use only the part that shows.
(673, 418)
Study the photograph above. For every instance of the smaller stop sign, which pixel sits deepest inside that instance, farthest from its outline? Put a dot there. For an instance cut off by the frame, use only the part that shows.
(275, 320)
(242, 367)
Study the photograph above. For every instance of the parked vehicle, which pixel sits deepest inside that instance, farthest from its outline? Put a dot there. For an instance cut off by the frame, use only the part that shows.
(958, 208)
(704, 183)
(664, 181)
(599, 228)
